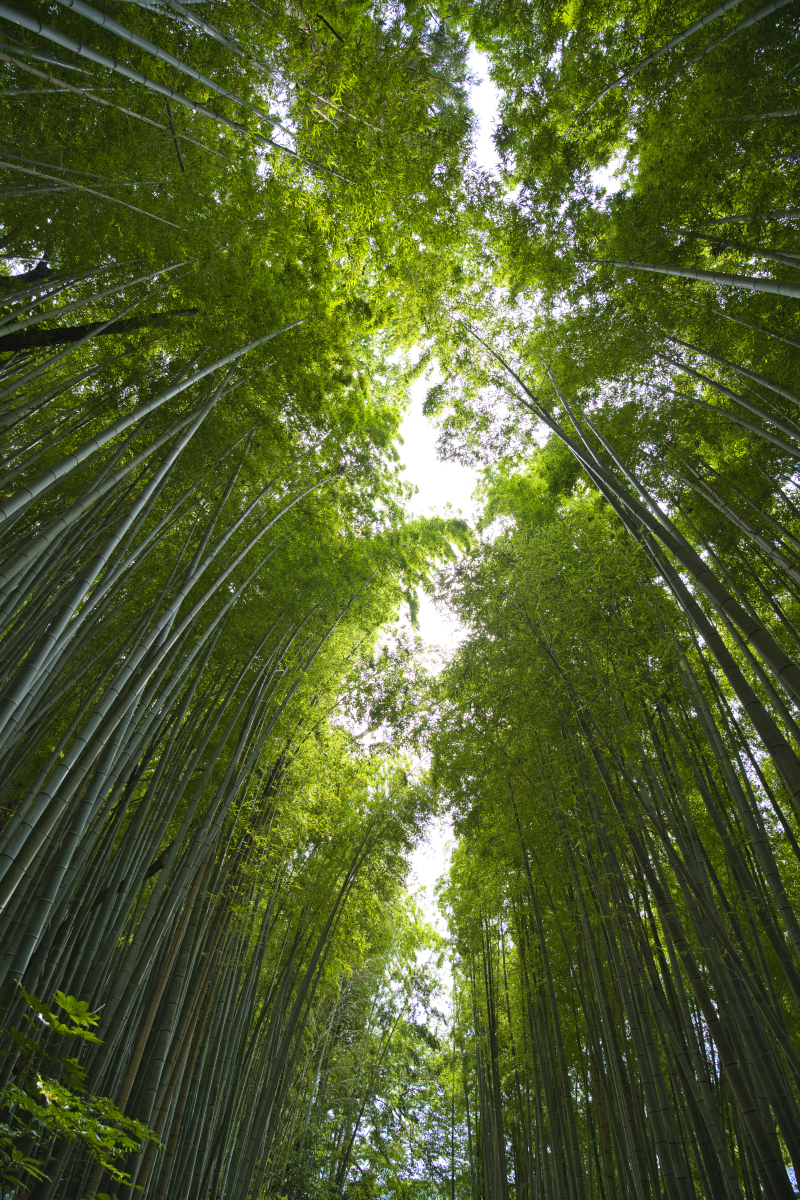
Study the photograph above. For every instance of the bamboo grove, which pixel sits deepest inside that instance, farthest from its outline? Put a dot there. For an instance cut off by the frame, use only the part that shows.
(228, 232)
(202, 532)
(618, 732)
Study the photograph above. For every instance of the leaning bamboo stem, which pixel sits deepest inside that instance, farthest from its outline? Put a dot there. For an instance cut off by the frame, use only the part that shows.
(752, 283)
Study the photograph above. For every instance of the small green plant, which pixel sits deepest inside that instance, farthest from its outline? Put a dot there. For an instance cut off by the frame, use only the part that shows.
(48, 1101)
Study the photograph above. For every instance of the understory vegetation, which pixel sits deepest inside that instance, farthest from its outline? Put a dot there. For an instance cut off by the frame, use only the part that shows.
(233, 234)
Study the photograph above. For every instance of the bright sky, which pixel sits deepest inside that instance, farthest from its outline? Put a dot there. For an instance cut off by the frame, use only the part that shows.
(442, 483)
(439, 484)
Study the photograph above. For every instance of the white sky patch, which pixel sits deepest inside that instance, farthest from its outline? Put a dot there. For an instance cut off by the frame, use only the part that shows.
(442, 488)
(442, 484)
(439, 484)
(610, 177)
(429, 862)
(447, 483)
(484, 99)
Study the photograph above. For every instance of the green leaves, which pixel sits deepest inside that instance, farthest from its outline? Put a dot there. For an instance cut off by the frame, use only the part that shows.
(45, 1108)
(13, 1161)
(92, 1122)
(77, 1011)
(378, 1117)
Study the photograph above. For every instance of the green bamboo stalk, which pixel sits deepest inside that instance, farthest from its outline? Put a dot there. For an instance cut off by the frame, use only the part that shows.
(106, 22)
(752, 283)
(60, 39)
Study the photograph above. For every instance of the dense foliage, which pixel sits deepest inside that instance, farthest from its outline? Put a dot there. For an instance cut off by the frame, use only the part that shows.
(227, 232)
(618, 733)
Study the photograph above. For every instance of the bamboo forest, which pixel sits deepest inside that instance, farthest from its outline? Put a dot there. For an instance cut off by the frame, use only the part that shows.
(243, 242)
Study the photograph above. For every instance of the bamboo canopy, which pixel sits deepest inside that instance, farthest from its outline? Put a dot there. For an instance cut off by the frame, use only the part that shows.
(233, 237)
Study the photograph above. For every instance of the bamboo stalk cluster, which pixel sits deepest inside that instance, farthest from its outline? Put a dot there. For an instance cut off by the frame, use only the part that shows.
(622, 744)
(630, 974)
(619, 736)
(197, 543)
(173, 636)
